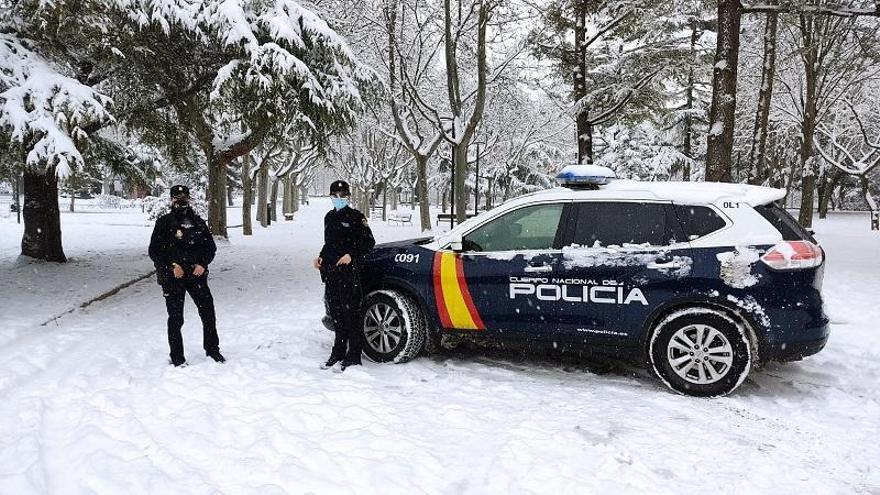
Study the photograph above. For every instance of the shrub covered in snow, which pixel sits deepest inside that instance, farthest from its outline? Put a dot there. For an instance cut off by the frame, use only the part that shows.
(110, 201)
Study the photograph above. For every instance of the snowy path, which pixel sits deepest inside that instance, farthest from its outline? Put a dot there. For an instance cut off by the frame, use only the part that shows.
(91, 406)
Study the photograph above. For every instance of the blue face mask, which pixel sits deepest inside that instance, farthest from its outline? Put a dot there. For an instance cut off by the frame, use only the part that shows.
(339, 203)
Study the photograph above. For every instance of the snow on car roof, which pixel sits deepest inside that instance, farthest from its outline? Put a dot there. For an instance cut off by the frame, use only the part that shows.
(693, 193)
(687, 193)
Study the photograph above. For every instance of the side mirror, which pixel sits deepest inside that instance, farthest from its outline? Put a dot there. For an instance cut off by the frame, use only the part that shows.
(456, 244)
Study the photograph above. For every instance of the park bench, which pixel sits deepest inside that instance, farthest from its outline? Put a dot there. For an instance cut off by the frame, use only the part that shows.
(448, 216)
(400, 217)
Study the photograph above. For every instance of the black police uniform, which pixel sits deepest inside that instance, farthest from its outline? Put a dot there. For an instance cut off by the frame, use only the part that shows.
(345, 232)
(182, 237)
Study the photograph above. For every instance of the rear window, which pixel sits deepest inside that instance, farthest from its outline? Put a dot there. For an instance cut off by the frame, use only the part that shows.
(622, 223)
(697, 221)
(790, 229)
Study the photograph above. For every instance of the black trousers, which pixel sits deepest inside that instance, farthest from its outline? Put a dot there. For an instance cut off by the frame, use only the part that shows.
(175, 291)
(344, 295)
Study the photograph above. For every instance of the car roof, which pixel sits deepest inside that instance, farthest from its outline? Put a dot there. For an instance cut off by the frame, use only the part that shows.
(689, 193)
(685, 193)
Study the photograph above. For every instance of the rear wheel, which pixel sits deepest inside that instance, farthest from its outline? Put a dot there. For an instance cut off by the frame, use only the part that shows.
(700, 352)
(394, 327)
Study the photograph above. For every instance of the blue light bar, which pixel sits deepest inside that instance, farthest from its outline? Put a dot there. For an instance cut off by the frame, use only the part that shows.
(585, 176)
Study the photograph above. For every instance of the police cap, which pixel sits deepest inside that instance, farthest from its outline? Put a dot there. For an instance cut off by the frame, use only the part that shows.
(179, 190)
(340, 186)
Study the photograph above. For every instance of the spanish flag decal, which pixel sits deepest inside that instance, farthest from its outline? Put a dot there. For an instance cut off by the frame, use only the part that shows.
(451, 293)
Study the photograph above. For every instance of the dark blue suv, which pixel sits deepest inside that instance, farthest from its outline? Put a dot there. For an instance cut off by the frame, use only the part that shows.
(702, 281)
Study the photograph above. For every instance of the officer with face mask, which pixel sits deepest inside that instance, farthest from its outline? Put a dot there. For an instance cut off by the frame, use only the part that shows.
(347, 240)
(181, 249)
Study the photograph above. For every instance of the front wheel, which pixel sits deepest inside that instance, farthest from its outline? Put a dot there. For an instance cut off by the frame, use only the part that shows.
(700, 352)
(394, 327)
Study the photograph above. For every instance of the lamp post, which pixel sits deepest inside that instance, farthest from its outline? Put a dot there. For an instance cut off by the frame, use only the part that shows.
(452, 195)
(477, 180)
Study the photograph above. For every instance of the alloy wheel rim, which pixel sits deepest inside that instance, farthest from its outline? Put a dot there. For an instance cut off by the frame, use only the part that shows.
(700, 354)
(383, 327)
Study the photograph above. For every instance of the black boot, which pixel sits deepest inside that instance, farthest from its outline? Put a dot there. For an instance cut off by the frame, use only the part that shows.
(347, 364)
(178, 362)
(330, 363)
(216, 356)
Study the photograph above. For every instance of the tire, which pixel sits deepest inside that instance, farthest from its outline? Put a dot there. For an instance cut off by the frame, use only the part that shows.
(715, 367)
(404, 333)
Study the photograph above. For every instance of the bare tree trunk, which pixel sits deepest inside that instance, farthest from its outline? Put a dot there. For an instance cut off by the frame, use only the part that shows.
(757, 153)
(489, 192)
(247, 199)
(826, 190)
(72, 201)
(230, 201)
(217, 195)
(273, 200)
(263, 194)
(687, 145)
(869, 199)
(422, 188)
(288, 198)
(385, 203)
(583, 127)
(808, 126)
(722, 112)
(42, 219)
(296, 200)
(463, 132)
(461, 193)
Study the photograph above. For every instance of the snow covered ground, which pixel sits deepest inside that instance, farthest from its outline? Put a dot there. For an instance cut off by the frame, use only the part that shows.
(90, 405)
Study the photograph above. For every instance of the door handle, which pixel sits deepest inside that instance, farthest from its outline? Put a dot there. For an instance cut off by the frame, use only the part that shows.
(665, 265)
(538, 269)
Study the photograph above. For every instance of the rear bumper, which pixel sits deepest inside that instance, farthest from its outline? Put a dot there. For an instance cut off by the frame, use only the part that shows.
(794, 351)
(798, 343)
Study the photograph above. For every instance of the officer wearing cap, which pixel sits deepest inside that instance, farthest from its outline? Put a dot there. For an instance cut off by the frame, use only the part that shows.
(181, 248)
(347, 240)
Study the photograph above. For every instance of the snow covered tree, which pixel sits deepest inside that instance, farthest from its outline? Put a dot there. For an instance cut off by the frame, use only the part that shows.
(218, 75)
(45, 120)
(603, 49)
(845, 145)
(835, 54)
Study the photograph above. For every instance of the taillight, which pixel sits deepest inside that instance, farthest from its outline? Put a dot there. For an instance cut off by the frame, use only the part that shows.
(793, 255)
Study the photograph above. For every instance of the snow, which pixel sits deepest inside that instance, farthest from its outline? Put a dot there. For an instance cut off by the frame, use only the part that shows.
(91, 406)
(575, 256)
(38, 103)
(717, 129)
(586, 171)
(736, 267)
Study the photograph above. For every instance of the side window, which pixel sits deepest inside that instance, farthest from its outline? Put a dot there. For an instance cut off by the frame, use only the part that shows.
(698, 221)
(617, 224)
(532, 227)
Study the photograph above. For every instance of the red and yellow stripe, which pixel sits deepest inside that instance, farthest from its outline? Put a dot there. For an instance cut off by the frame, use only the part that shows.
(454, 301)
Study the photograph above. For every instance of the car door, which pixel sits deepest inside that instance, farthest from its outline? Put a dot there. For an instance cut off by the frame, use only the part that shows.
(622, 260)
(475, 289)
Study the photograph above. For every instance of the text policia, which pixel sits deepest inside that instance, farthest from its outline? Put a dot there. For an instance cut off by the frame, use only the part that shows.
(575, 290)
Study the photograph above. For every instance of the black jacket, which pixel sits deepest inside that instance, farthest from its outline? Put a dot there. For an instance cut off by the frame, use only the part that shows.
(182, 238)
(346, 232)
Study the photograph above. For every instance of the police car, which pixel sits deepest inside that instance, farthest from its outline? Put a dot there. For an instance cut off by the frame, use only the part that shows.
(701, 281)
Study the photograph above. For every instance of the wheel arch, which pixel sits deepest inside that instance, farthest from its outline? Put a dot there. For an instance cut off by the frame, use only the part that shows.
(407, 288)
(729, 310)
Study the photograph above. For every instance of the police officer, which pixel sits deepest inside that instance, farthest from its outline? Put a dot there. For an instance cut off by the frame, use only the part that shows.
(347, 240)
(181, 248)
